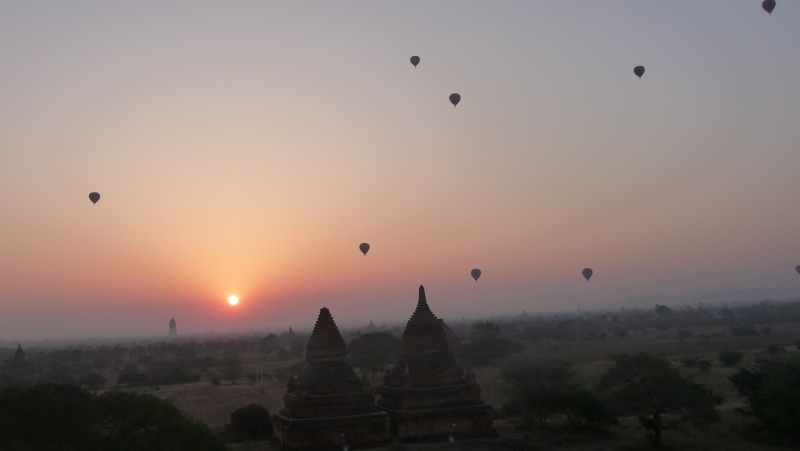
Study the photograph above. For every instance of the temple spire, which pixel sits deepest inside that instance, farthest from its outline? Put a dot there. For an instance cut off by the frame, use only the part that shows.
(423, 311)
(325, 342)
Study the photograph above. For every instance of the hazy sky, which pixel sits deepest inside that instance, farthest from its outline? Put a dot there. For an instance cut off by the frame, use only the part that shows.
(249, 147)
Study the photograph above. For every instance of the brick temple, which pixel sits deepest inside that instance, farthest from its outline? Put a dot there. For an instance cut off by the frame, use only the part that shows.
(427, 394)
(327, 406)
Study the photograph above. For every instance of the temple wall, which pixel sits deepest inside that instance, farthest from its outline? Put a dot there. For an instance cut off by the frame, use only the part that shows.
(332, 433)
(459, 426)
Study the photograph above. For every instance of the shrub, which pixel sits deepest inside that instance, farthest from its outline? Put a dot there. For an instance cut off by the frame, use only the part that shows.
(730, 357)
(766, 330)
(685, 333)
(689, 362)
(251, 422)
(743, 330)
(704, 366)
(774, 349)
(92, 380)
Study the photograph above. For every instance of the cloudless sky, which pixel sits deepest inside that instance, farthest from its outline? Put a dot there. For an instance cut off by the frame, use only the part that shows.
(248, 148)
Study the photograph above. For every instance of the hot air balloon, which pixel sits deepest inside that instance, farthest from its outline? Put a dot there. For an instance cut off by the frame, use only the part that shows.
(455, 98)
(768, 6)
(797, 268)
(415, 60)
(639, 71)
(94, 197)
(476, 274)
(364, 248)
(587, 272)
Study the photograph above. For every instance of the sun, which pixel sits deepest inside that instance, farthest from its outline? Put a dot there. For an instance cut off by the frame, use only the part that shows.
(233, 300)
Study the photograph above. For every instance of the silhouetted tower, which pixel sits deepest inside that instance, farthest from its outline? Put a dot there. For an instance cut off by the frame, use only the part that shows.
(173, 328)
(19, 356)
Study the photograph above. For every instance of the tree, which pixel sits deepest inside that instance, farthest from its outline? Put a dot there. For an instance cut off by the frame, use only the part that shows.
(742, 330)
(585, 408)
(540, 389)
(130, 375)
(252, 422)
(269, 343)
(92, 380)
(730, 356)
(63, 417)
(296, 348)
(662, 311)
(487, 343)
(233, 368)
(649, 387)
(371, 351)
(134, 421)
(772, 390)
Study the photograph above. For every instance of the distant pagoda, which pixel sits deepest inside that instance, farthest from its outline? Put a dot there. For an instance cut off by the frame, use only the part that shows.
(173, 328)
(327, 405)
(19, 357)
(427, 395)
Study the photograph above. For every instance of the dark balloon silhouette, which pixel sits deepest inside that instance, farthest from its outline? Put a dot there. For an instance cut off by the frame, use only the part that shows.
(768, 6)
(455, 98)
(364, 248)
(476, 274)
(587, 272)
(797, 268)
(415, 60)
(94, 197)
(639, 71)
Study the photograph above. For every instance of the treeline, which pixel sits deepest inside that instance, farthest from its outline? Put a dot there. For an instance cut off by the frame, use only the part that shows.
(750, 319)
(155, 364)
(61, 417)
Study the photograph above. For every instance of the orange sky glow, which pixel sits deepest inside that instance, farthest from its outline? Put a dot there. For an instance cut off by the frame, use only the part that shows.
(249, 149)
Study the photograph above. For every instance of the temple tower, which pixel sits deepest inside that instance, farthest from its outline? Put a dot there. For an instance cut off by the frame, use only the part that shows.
(427, 394)
(173, 328)
(19, 357)
(327, 405)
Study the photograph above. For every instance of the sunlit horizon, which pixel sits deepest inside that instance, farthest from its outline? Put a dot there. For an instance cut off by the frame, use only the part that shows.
(248, 150)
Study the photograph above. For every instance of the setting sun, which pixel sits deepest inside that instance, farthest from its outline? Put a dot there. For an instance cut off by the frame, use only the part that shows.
(233, 300)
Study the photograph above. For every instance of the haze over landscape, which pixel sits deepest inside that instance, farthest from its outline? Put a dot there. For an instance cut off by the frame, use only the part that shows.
(248, 149)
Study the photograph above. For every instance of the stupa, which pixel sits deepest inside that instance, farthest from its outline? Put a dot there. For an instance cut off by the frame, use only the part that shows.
(327, 406)
(19, 358)
(427, 395)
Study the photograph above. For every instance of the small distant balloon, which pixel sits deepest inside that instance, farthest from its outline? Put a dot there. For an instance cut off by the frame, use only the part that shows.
(415, 60)
(768, 6)
(639, 71)
(455, 98)
(797, 268)
(94, 197)
(587, 272)
(364, 248)
(476, 274)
